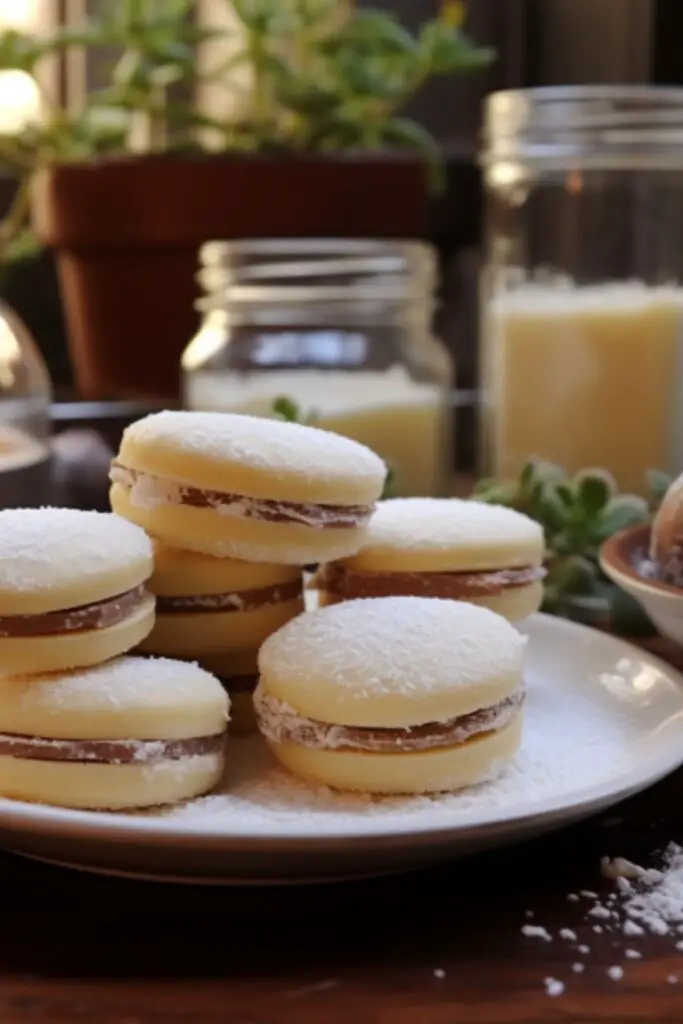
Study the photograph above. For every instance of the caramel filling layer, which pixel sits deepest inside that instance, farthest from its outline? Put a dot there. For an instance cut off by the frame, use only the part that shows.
(238, 601)
(147, 491)
(352, 583)
(280, 723)
(38, 748)
(98, 615)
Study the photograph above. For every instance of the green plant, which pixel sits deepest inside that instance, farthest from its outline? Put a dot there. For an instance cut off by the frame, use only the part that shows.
(577, 514)
(324, 76)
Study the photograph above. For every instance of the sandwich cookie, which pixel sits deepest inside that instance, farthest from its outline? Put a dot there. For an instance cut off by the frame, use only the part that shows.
(431, 547)
(72, 588)
(243, 487)
(218, 611)
(134, 732)
(393, 695)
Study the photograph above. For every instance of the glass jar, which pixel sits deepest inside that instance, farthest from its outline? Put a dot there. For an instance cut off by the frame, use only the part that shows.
(582, 293)
(340, 328)
(25, 396)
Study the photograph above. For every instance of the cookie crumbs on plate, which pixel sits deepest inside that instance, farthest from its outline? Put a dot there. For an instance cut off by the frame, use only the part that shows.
(553, 987)
(534, 931)
(616, 973)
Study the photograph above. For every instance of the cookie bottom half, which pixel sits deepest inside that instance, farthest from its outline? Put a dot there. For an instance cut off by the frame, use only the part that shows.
(424, 771)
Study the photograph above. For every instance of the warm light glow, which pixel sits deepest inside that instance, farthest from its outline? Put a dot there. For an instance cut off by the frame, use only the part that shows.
(25, 14)
(20, 102)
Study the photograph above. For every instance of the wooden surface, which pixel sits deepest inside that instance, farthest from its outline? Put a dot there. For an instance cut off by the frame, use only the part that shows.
(442, 946)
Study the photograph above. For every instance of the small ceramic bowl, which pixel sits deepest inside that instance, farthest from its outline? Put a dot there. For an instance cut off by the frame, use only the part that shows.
(624, 558)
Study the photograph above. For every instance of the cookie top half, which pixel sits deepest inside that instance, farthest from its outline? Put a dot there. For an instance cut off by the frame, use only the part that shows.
(447, 535)
(253, 457)
(392, 661)
(56, 558)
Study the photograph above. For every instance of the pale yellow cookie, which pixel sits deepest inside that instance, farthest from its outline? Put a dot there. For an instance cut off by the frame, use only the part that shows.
(241, 487)
(393, 695)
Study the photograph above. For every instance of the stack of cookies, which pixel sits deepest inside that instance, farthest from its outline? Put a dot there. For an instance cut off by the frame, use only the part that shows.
(81, 724)
(236, 507)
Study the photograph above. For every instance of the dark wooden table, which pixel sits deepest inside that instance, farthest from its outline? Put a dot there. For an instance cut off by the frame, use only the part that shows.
(443, 946)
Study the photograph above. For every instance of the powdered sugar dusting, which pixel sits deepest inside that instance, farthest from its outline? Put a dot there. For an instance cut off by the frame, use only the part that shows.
(122, 684)
(47, 548)
(286, 449)
(259, 796)
(410, 646)
(451, 523)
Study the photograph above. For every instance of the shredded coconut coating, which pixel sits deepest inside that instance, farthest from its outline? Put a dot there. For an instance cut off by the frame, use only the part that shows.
(414, 646)
(413, 524)
(53, 547)
(290, 449)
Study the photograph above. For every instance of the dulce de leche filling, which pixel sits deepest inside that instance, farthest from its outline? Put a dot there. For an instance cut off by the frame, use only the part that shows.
(353, 583)
(280, 723)
(238, 601)
(147, 491)
(98, 615)
(38, 748)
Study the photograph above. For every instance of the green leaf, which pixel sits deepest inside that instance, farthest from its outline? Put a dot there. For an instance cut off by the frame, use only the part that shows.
(444, 50)
(389, 490)
(593, 494)
(286, 409)
(658, 483)
(623, 511)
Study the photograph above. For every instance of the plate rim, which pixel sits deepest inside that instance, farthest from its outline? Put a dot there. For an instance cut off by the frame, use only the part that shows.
(44, 820)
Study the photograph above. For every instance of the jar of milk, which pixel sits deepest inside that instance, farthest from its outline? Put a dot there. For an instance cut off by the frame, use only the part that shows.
(25, 395)
(340, 328)
(582, 296)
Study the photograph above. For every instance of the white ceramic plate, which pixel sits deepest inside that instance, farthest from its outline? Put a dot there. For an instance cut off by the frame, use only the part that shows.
(603, 721)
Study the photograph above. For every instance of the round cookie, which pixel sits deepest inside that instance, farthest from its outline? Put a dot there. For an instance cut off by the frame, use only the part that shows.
(72, 588)
(218, 611)
(134, 732)
(247, 488)
(448, 548)
(393, 695)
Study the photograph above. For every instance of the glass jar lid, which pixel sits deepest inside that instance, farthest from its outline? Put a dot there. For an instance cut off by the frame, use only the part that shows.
(281, 271)
(599, 126)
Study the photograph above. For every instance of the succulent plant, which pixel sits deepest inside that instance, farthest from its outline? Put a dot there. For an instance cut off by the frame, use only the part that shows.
(577, 514)
(324, 77)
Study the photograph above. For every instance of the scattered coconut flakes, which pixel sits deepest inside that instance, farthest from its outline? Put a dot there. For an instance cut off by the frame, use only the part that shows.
(439, 973)
(573, 897)
(616, 973)
(615, 868)
(568, 934)
(528, 913)
(672, 979)
(632, 929)
(578, 968)
(584, 950)
(632, 954)
(553, 987)
(535, 931)
(600, 912)
(588, 895)
(598, 929)
(679, 945)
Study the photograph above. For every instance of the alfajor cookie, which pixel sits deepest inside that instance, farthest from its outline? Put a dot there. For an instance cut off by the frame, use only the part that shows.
(393, 695)
(432, 547)
(248, 488)
(218, 611)
(134, 732)
(72, 588)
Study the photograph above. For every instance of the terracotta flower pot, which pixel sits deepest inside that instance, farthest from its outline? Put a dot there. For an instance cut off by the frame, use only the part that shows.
(126, 233)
